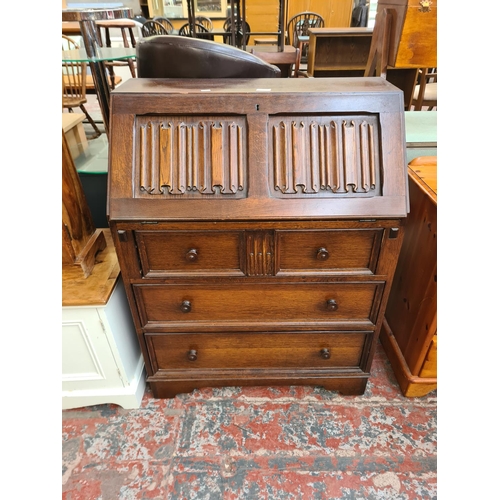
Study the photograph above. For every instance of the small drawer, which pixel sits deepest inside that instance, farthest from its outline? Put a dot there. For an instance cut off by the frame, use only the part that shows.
(170, 253)
(256, 350)
(333, 251)
(297, 303)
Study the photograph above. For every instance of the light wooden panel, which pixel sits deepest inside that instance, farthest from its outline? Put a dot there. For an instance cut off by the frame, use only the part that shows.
(336, 13)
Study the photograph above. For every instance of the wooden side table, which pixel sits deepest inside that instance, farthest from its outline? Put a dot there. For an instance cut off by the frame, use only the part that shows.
(284, 59)
(409, 331)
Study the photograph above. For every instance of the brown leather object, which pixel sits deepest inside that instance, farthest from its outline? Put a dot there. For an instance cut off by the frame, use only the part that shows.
(169, 56)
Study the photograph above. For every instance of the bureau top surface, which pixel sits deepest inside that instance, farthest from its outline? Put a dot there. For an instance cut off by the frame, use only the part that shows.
(255, 85)
(256, 149)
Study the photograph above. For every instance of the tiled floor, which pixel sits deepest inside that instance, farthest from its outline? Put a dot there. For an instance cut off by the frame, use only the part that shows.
(256, 443)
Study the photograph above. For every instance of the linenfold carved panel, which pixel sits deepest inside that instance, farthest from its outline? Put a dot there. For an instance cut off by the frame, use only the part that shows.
(325, 155)
(191, 156)
(260, 252)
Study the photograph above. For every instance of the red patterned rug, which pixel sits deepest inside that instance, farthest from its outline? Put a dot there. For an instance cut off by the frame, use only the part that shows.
(257, 443)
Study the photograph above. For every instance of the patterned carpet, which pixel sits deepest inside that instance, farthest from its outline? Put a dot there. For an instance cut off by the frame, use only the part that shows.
(256, 443)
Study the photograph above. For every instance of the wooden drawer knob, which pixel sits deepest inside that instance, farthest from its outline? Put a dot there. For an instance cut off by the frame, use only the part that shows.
(192, 355)
(325, 353)
(192, 255)
(332, 305)
(322, 254)
(186, 306)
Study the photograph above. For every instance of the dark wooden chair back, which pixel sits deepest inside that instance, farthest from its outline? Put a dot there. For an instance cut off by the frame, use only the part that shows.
(205, 22)
(238, 23)
(199, 31)
(167, 24)
(300, 23)
(152, 28)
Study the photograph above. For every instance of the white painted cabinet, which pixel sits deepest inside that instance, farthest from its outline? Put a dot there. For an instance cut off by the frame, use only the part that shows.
(101, 358)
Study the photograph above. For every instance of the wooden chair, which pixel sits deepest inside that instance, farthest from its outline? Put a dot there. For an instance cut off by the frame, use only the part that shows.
(205, 22)
(425, 91)
(298, 25)
(238, 33)
(126, 26)
(200, 31)
(167, 24)
(73, 85)
(152, 28)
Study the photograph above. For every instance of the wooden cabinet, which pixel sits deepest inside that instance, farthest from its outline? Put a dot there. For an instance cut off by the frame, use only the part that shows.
(411, 34)
(101, 358)
(257, 225)
(409, 333)
(338, 51)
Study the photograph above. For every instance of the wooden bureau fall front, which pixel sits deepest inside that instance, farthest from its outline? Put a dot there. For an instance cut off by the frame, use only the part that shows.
(257, 225)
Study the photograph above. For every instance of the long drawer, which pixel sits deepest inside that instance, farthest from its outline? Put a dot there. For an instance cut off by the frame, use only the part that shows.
(257, 350)
(167, 253)
(289, 303)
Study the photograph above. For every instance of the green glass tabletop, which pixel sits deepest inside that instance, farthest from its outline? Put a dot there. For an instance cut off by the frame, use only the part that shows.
(103, 54)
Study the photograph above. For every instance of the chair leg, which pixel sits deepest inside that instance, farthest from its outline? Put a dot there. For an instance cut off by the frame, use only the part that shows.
(92, 122)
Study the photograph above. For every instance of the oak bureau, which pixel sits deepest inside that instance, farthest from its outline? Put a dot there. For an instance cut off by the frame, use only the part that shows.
(257, 224)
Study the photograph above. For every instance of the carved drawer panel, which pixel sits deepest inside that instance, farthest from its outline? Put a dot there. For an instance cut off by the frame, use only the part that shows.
(258, 350)
(332, 251)
(164, 253)
(291, 303)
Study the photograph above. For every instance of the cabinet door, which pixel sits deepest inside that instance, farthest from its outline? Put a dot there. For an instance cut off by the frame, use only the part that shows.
(87, 358)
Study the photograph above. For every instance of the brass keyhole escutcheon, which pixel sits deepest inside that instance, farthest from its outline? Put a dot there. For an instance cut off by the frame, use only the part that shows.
(425, 5)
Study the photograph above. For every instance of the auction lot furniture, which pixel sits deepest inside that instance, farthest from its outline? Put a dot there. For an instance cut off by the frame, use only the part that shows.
(257, 224)
(409, 333)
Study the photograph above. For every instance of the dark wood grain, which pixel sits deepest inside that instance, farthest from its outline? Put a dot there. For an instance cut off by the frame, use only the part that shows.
(257, 225)
(81, 241)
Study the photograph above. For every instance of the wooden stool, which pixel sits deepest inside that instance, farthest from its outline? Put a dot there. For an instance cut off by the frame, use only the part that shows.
(72, 125)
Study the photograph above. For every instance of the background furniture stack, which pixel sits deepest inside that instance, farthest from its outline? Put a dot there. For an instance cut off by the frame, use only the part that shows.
(404, 39)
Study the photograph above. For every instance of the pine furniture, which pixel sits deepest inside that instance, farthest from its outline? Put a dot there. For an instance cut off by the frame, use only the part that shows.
(257, 225)
(409, 332)
(72, 125)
